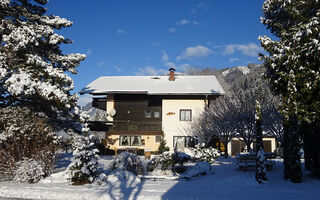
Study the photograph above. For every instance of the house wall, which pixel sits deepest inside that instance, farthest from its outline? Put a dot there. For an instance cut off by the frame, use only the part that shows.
(110, 106)
(272, 140)
(171, 124)
(131, 112)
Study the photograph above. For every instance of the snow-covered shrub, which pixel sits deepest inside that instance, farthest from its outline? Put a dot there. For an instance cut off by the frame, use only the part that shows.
(84, 166)
(162, 162)
(199, 169)
(127, 162)
(30, 170)
(23, 134)
(167, 161)
(205, 154)
(180, 158)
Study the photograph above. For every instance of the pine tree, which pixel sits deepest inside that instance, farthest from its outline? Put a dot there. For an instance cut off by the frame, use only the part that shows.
(260, 162)
(292, 66)
(32, 65)
(162, 147)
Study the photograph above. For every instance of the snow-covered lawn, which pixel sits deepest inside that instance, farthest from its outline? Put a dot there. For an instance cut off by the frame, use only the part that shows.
(227, 182)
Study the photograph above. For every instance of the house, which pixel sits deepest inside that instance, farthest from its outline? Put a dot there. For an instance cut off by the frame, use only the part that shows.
(143, 110)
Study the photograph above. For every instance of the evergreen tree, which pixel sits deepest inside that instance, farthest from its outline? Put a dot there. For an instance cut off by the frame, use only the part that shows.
(260, 166)
(293, 70)
(162, 147)
(32, 66)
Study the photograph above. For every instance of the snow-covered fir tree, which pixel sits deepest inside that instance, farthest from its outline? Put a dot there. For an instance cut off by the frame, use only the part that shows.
(33, 69)
(84, 166)
(293, 70)
(260, 162)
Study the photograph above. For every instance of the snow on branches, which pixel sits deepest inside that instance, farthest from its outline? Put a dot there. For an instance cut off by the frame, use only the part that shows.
(84, 166)
(33, 69)
(295, 56)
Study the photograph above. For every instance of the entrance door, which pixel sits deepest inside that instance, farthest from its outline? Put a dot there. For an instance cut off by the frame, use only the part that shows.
(267, 146)
(235, 147)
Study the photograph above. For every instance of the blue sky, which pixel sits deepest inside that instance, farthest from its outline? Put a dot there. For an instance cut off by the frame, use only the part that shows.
(147, 37)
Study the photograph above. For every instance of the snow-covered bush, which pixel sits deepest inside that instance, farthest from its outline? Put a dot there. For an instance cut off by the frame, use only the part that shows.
(180, 158)
(30, 170)
(167, 161)
(199, 169)
(23, 134)
(127, 162)
(84, 166)
(205, 154)
(162, 162)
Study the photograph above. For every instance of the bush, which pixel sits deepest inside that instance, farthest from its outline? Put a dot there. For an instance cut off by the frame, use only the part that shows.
(202, 153)
(167, 161)
(127, 162)
(23, 136)
(30, 170)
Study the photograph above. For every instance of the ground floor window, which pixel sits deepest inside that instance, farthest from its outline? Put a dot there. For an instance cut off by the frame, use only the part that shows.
(187, 141)
(126, 140)
(158, 138)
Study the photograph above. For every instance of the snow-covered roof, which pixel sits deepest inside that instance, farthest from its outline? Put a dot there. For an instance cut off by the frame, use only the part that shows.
(154, 85)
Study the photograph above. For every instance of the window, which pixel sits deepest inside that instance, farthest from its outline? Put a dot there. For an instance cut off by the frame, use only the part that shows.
(156, 114)
(148, 114)
(186, 141)
(185, 115)
(126, 140)
(158, 138)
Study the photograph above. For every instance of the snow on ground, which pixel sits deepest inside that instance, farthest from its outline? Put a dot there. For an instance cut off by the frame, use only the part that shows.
(227, 182)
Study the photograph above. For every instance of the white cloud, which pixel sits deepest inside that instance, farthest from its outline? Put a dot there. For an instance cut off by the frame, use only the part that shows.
(101, 63)
(234, 59)
(165, 57)
(121, 32)
(149, 70)
(196, 23)
(89, 52)
(183, 22)
(194, 52)
(84, 99)
(172, 30)
(155, 44)
(193, 11)
(117, 68)
(250, 49)
(170, 65)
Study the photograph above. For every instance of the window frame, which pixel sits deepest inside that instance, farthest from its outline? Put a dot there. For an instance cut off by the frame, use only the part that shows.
(184, 110)
(129, 140)
(155, 138)
(154, 114)
(147, 112)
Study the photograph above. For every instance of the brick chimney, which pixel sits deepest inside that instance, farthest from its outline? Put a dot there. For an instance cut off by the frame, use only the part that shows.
(171, 77)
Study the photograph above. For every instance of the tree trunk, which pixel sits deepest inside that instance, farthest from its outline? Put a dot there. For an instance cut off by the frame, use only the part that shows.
(294, 146)
(286, 150)
(226, 155)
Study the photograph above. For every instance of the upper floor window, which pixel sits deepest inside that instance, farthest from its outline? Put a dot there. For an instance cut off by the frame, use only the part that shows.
(185, 115)
(156, 114)
(148, 114)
